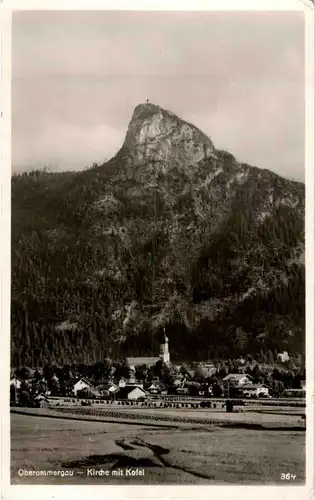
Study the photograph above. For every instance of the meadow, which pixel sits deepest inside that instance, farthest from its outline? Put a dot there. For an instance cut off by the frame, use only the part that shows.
(189, 454)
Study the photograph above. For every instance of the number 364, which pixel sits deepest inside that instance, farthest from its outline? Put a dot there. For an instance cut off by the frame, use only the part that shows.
(287, 476)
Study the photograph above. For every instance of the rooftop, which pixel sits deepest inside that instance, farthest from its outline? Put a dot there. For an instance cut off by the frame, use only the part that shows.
(124, 391)
(148, 361)
(236, 376)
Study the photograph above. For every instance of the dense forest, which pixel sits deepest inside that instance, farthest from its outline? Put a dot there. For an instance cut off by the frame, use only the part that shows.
(102, 262)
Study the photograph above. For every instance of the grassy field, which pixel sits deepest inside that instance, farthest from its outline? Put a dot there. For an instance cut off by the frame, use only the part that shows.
(191, 455)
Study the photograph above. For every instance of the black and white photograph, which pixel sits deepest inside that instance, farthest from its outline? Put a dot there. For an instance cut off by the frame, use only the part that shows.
(158, 257)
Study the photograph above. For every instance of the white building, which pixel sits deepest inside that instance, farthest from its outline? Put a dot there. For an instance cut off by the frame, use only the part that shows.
(81, 384)
(132, 380)
(154, 388)
(283, 356)
(164, 351)
(136, 393)
(238, 379)
(253, 390)
(16, 382)
(157, 388)
(132, 393)
(122, 382)
(179, 380)
(182, 390)
(41, 400)
(107, 389)
(151, 361)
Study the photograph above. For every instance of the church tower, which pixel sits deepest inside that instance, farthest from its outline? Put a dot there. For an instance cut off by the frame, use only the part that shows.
(164, 352)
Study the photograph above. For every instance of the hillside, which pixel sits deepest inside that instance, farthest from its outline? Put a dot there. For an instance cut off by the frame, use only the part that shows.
(170, 232)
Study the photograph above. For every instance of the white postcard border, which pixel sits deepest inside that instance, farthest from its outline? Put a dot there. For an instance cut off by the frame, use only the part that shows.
(148, 492)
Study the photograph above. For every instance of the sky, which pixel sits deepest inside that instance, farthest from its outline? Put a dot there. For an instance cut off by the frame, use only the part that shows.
(77, 76)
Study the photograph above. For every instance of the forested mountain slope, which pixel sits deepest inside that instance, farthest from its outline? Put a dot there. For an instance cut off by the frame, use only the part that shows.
(170, 232)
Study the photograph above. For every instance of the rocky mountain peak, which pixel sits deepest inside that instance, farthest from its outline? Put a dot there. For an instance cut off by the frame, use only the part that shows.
(157, 134)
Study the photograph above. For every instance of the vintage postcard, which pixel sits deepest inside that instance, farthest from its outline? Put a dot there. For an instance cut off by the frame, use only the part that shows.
(157, 269)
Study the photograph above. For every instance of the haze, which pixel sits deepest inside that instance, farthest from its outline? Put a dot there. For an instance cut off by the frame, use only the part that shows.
(77, 76)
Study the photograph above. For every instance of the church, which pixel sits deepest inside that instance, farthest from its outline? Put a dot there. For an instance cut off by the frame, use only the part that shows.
(150, 361)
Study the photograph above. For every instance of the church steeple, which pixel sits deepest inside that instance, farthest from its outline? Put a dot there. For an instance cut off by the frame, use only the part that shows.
(164, 352)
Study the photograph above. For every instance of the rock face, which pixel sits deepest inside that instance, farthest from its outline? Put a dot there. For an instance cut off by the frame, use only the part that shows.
(170, 233)
(157, 134)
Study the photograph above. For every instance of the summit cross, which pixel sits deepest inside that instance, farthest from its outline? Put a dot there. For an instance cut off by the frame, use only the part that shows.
(147, 101)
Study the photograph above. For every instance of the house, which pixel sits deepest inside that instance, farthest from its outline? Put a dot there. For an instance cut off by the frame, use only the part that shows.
(182, 390)
(255, 390)
(303, 385)
(80, 385)
(15, 389)
(122, 382)
(207, 369)
(107, 389)
(179, 381)
(153, 388)
(16, 382)
(157, 388)
(132, 392)
(113, 388)
(41, 401)
(238, 379)
(283, 356)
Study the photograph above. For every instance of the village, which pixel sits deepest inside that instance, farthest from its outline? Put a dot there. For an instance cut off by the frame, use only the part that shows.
(140, 378)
